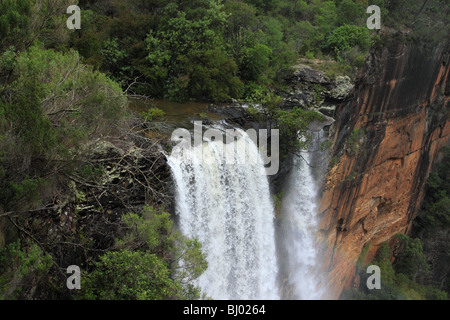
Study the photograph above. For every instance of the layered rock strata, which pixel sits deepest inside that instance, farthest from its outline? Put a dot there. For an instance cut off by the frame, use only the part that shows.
(386, 138)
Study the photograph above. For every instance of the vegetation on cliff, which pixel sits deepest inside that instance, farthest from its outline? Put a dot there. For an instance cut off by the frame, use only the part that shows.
(152, 262)
(216, 50)
(398, 280)
(435, 211)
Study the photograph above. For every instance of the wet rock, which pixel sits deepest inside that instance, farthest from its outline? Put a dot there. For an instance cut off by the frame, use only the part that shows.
(328, 109)
(298, 98)
(312, 88)
(235, 114)
(318, 125)
(304, 73)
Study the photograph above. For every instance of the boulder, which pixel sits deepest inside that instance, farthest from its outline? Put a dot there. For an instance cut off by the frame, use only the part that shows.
(304, 73)
(342, 86)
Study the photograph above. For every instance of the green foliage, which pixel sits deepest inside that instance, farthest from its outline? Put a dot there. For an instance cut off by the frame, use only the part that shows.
(256, 93)
(256, 60)
(152, 114)
(88, 41)
(26, 191)
(308, 37)
(187, 57)
(24, 21)
(116, 44)
(52, 101)
(62, 93)
(7, 61)
(129, 275)
(273, 33)
(89, 172)
(309, 55)
(426, 21)
(113, 58)
(51, 105)
(265, 5)
(175, 48)
(292, 123)
(435, 211)
(336, 68)
(212, 75)
(277, 198)
(397, 281)
(362, 256)
(354, 140)
(347, 37)
(152, 261)
(351, 12)
(410, 259)
(352, 60)
(14, 21)
(22, 270)
(240, 26)
(325, 16)
(152, 231)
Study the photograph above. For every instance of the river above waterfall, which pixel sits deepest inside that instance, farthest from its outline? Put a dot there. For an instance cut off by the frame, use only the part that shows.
(177, 114)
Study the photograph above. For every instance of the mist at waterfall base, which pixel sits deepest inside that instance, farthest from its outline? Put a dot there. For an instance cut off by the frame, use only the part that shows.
(229, 209)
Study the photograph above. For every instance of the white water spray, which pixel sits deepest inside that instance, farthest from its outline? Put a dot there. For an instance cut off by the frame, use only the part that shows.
(228, 208)
(299, 214)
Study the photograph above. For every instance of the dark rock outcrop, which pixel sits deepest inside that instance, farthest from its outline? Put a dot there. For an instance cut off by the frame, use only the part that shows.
(305, 74)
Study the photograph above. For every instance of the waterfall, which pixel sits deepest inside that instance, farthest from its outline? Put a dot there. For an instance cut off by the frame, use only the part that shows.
(228, 208)
(299, 226)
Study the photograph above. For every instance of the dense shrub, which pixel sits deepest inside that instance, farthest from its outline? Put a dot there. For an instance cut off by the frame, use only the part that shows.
(52, 104)
(152, 262)
(347, 37)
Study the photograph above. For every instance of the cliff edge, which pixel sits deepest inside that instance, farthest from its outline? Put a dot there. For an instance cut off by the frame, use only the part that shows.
(386, 139)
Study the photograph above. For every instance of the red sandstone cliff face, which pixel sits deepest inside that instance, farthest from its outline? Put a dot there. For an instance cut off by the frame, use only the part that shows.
(386, 140)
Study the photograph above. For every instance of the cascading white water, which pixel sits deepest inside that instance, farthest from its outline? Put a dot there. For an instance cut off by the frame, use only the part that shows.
(228, 208)
(299, 227)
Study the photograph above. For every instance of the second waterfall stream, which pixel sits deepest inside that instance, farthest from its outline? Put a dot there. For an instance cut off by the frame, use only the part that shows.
(229, 209)
(299, 224)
